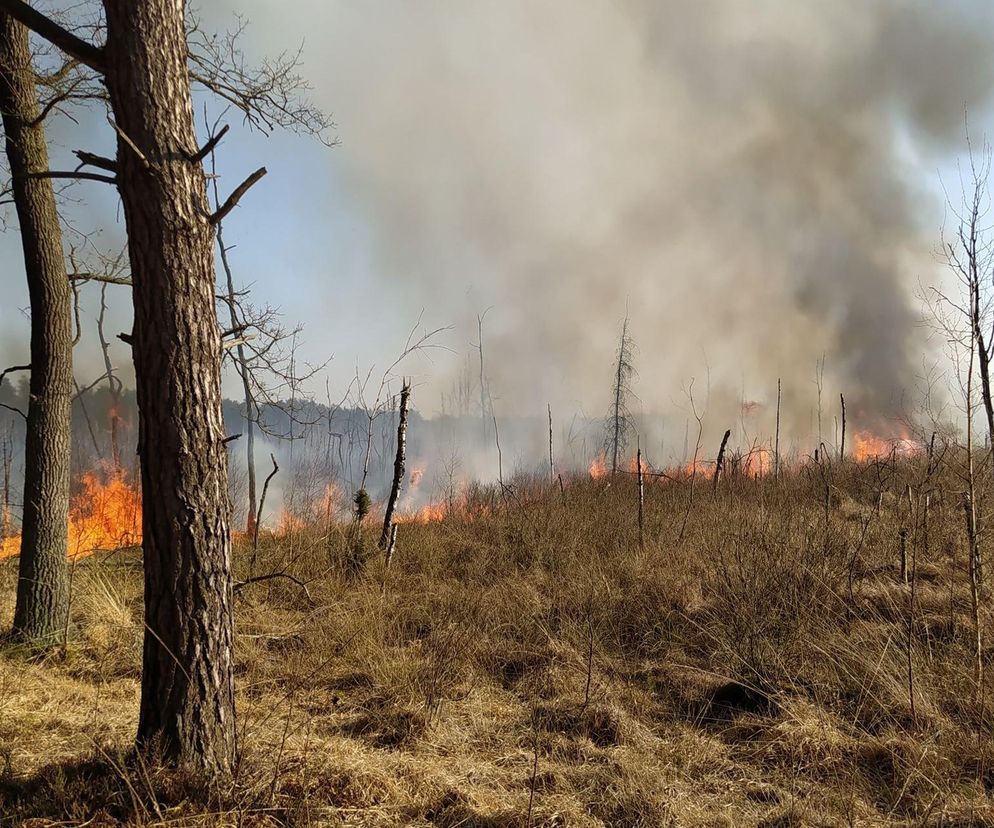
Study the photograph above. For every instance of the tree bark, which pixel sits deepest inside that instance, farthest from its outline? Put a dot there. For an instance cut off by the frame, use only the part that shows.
(42, 607)
(187, 695)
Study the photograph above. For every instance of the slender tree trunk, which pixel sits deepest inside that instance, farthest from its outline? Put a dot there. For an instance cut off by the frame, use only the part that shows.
(6, 457)
(41, 611)
(719, 465)
(187, 696)
(552, 459)
(641, 491)
(243, 373)
(483, 377)
(113, 383)
(776, 445)
(387, 535)
(970, 509)
(842, 442)
(616, 414)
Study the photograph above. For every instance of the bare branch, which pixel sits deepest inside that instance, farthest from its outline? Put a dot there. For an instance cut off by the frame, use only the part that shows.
(87, 53)
(11, 370)
(73, 175)
(92, 160)
(209, 147)
(236, 196)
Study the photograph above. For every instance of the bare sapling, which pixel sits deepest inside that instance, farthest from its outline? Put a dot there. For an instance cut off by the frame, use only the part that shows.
(552, 459)
(6, 457)
(114, 384)
(258, 516)
(641, 492)
(903, 546)
(776, 444)
(719, 465)
(842, 440)
(484, 392)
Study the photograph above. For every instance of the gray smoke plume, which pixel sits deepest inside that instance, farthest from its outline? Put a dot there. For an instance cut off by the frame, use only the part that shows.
(755, 181)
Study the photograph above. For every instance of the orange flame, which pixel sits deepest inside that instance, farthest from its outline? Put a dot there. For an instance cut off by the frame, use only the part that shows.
(107, 514)
(430, 513)
(757, 463)
(868, 446)
(598, 467)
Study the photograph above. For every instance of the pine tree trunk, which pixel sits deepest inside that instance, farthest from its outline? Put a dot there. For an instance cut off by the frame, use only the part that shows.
(42, 607)
(187, 697)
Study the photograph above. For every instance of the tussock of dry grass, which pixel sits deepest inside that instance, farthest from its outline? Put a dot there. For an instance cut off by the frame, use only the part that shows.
(524, 662)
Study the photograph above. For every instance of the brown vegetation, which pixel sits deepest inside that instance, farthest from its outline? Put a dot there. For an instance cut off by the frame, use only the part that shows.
(523, 663)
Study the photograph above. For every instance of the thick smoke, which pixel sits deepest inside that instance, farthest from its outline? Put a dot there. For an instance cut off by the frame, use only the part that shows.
(755, 181)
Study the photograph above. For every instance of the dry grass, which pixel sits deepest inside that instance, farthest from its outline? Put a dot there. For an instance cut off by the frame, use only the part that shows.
(523, 663)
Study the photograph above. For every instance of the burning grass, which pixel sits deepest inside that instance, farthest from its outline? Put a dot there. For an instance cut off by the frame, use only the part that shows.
(106, 514)
(522, 662)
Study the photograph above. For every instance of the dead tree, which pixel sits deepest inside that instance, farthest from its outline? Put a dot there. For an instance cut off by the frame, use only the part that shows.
(776, 445)
(971, 258)
(241, 367)
(114, 384)
(389, 534)
(641, 492)
(619, 424)
(552, 460)
(842, 441)
(42, 604)
(719, 466)
(483, 378)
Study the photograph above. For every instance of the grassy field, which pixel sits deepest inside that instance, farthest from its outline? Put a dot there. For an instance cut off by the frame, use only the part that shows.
(758, 660)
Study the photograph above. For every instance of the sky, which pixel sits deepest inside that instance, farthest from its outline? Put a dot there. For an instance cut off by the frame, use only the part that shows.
(757, 184)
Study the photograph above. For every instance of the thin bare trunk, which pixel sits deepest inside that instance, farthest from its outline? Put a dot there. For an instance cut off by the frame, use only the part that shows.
(776, 445)
(641, 491)
(552, 461)
(719, 466)
(842, 442)
(113, 383)
(243, 373)
(388, 534)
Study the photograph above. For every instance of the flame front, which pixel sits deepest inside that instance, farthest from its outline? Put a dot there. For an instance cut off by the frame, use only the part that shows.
(868, 446)
(107, 514)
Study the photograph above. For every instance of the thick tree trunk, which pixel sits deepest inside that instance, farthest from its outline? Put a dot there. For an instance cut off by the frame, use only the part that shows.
(187, 699)
(40, 614)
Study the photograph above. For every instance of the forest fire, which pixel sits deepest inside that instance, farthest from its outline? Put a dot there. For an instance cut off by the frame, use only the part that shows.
(429, 513)
(106, 514)
(759, 460)
(598, 467)
(868, 446)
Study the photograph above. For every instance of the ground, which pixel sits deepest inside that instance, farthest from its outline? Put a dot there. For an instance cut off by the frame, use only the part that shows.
(755, 659)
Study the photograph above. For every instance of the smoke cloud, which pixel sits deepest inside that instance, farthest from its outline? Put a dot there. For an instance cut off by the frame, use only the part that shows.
(754, 182)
